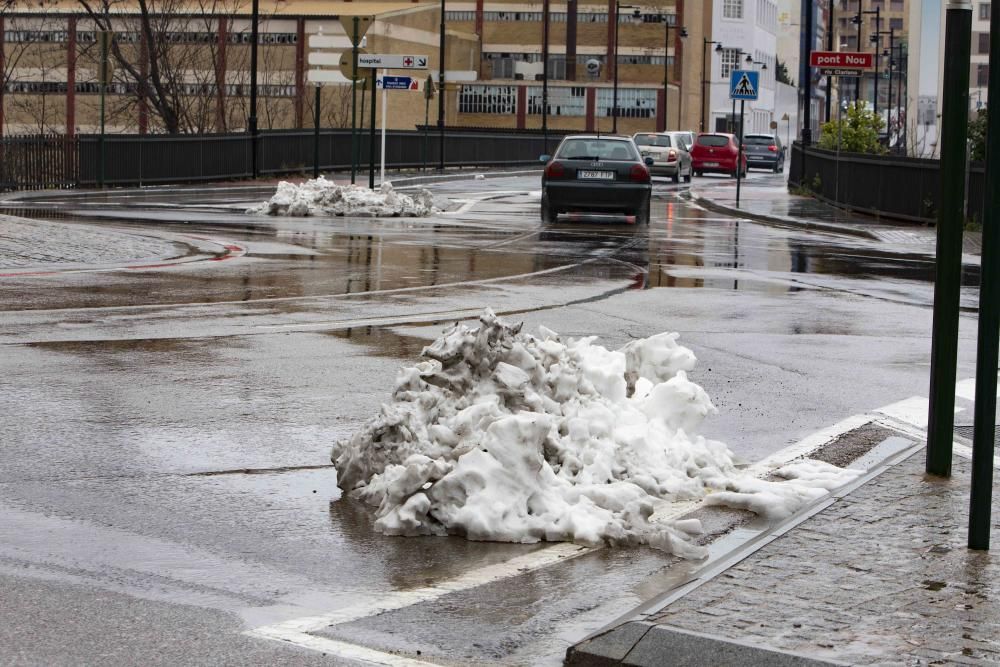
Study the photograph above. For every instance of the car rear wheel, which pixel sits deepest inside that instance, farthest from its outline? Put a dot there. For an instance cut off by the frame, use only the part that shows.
(677, 176)
(549, 214)
(642, 214)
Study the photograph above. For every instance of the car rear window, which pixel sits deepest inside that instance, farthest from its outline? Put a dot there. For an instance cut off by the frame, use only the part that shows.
(758, 140)
(659, 140)
(597, 149)
(713, 140)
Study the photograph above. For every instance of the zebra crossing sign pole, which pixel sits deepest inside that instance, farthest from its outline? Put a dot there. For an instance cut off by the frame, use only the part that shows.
(743, 86)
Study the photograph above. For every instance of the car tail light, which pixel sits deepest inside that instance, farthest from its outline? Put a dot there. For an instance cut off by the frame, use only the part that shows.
(672, 155)
(772, 148)
(638, 174)
(555, 170)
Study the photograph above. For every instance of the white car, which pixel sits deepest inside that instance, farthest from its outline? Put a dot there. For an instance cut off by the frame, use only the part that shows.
(669, 153)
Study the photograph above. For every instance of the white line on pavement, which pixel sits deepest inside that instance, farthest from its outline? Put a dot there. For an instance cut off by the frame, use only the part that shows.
(295, 631)
(908, 416)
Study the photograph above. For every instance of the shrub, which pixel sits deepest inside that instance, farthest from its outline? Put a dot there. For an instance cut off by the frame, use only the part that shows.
(857, 133)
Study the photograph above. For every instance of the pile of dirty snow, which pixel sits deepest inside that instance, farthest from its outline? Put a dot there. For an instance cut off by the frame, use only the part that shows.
(500, 435)
(322, 197)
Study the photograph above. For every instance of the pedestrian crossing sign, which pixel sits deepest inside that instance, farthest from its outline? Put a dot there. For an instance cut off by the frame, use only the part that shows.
(743, 84)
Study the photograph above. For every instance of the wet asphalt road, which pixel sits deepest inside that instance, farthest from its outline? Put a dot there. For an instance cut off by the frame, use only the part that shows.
(135, 401)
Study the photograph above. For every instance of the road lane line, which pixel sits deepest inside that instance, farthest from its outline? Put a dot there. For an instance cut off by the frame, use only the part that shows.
(296, 631)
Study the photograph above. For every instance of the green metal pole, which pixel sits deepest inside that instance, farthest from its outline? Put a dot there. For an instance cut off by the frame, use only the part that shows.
(103, 81)
(950, 222)
(739, 155)
(354, 102)
(316, 135)
(371, 136)
(984, 431)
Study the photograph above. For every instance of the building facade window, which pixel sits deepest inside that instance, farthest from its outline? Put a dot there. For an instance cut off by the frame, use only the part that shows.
(729, 61)
(732, 9)
(500, 100)
(984, 11)
(562, 101)
(984, 43)
(632, 102)
(982, 75)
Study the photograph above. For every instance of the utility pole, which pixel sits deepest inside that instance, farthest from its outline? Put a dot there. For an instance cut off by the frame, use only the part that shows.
(950, 222)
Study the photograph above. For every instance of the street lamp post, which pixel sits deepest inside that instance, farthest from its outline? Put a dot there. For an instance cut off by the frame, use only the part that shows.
(763, 67)
(876, 40)
(666, 75)
(545, 76)
(252, 120)
(704, 81)
(856, 19)
(614, 101)
(441, 92)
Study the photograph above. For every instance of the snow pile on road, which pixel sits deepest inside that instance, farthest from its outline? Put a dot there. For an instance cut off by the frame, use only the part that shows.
(500, 435)
(325, 198)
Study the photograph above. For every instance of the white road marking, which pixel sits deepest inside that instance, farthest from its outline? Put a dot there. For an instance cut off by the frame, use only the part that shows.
(908, 416)
(296, 631)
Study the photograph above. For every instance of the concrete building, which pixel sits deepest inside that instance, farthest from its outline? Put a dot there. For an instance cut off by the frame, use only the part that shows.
(742, 29)
(200, 51)
(868, 26)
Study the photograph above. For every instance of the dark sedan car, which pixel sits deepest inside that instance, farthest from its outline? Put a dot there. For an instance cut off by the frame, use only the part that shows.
(764, 151)
(596, 174)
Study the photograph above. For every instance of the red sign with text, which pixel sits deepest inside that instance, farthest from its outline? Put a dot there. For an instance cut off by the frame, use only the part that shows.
(841, 59)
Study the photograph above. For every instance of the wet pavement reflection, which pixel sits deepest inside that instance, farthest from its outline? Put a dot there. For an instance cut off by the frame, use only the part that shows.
(500, 237)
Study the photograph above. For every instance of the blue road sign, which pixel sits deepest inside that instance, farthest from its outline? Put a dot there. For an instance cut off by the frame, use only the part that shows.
(744, 84)
(398, 83)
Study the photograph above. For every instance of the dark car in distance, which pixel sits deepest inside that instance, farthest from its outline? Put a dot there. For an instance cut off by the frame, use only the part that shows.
(716, 152)
(596, 174)
(764, 151)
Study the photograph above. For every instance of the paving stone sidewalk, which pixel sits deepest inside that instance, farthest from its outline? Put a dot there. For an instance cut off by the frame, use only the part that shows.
(882, 576)
(28, 244)
(770, 201)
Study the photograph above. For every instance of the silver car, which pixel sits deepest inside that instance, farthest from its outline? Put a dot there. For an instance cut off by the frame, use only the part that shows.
(669, 153)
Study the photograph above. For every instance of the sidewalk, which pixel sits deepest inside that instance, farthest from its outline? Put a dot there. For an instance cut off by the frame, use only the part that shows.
(881, 575)
(771, 203)
(877, 573)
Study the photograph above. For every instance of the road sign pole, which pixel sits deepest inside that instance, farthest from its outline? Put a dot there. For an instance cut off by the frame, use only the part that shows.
(316, 136)
(385, 107)
(441, 92)
(950, 222)
(984, 431)
(371, 137)
(739, 155)
(354, 102)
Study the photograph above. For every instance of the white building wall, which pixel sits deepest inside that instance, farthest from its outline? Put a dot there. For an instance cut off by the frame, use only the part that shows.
(755, 34)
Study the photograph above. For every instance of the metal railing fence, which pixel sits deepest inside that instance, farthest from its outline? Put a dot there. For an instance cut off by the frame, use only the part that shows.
(882, 185)
(34, 162)
(164, 159)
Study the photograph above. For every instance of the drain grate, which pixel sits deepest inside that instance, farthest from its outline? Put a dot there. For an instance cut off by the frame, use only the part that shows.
(966, 432)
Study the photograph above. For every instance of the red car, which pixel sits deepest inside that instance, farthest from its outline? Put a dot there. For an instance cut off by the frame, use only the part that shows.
(715, 152)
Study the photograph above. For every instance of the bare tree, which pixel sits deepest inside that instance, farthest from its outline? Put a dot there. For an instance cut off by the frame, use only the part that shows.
(169, 60)
(14, 52)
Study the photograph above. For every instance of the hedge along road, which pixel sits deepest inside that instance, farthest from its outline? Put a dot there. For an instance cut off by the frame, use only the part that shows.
(165, 486)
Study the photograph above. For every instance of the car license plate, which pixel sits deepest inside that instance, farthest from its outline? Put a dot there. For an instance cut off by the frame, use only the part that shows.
(601, 175)
(711, 164)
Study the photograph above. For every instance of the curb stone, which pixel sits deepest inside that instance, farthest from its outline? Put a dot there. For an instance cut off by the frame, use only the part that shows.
(778, 220)
(644, 644)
